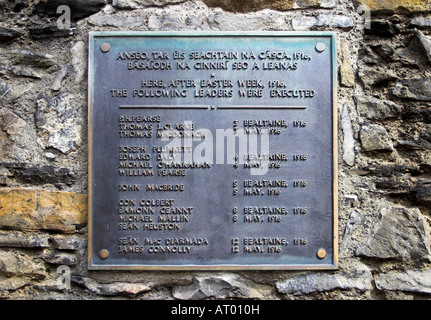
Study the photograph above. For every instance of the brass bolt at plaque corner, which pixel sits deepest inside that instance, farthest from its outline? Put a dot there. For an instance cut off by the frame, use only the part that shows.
(320, 47)
(104, 254)
(321, 253)
(105, 47)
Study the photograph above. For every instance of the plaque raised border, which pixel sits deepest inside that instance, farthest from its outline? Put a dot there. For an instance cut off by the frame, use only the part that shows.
(98, 259)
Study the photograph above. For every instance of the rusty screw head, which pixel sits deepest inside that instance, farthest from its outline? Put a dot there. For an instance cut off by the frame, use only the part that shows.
(104, 254)
(105, 47)
(321, 253)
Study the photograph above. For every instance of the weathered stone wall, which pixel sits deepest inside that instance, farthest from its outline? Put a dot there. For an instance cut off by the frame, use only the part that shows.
(384, 139)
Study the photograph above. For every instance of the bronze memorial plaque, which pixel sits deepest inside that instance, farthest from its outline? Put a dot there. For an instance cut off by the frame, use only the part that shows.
(212, 150)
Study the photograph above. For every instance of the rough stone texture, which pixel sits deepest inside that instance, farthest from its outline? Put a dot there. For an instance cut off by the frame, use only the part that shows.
(25, 63)
(63, 243)
(421, 22)
(334, 21)
(32, 209)
(50, 32)
(111, 289)
(135, 4)
(7, 34)
(327, 20)
(18, 264)
(63, 133)
(354, 276)
(79, 60)
(66, 259)
(113, 21)
(424, 42)
(23, 241)
(79, 8)
(375, 109)
(303, 23)
(401, 234)
(375, 76)
(255, 5)
(18, 141)
(351, 200)
(347, 74)
(355, 221)
(28, 58)
(56, 84)
(410, 281)
(375, 137)
(258, 21)
(221, 287)
(396, 5)
(11, 92)
(27, 173)
(422, 191)
(13, 283)
(417, 89)
(348, 140)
